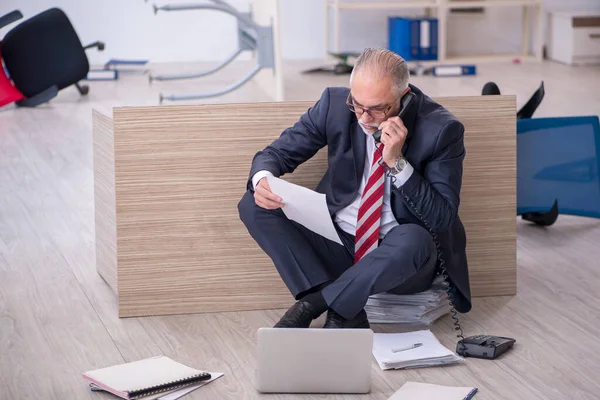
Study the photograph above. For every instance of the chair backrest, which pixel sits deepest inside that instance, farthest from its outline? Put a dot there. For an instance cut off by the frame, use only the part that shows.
(532, 104)
(168, 180)
(8, 92)
(558, 159)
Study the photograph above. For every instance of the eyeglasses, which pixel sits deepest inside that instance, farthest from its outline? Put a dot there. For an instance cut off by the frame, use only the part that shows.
(374, 113)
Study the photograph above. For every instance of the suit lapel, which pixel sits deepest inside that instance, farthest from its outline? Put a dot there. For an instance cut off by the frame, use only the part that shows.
(359, 148)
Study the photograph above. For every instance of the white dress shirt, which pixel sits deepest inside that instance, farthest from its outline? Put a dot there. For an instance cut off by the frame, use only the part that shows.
(346, 217)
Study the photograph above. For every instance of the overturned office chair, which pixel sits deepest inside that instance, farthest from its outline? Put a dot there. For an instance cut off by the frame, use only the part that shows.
(41, 56)
(548, 216)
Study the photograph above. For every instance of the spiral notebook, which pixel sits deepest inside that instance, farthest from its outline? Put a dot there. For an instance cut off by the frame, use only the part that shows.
(139, 379)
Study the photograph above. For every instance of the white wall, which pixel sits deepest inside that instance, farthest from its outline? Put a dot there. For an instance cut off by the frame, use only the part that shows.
(131, 30)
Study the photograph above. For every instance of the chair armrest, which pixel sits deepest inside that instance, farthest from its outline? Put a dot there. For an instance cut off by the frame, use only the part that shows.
(10, 18)
(40, 98)
(99, 45)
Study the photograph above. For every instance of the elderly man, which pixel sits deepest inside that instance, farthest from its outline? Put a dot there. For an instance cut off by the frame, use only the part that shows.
(393, 203)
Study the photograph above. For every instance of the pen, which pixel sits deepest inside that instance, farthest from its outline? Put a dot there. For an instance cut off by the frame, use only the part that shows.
(412, 346)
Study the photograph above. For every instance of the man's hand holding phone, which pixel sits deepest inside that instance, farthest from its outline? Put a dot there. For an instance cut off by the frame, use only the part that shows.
(263, 196)
(393, 136)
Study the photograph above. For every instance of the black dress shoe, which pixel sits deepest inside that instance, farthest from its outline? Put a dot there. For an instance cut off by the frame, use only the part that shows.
(300, 315)
(336, 321)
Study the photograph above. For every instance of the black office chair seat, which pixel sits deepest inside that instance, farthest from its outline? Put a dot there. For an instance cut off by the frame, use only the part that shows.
(43, 55)
(44, 51)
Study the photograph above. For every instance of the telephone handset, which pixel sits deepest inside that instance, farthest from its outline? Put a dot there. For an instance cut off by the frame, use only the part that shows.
(480, 346)
(404, 103)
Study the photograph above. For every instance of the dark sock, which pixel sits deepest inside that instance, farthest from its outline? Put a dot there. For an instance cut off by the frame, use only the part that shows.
(318, 302)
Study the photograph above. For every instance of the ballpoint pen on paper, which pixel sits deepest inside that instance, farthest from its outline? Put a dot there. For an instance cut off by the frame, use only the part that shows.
(412, 346)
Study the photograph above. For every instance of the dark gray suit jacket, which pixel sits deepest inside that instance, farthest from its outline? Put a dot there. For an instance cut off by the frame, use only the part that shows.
(434, 147)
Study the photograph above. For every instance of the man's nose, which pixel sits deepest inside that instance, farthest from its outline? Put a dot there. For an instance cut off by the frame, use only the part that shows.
(366, 118)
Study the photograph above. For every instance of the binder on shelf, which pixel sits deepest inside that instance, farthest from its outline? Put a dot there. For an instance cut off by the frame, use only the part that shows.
(414, 39)
(434, 38)
(399, 37)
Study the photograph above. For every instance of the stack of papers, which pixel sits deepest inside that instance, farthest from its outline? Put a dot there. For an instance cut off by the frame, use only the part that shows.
(428, 391)
(419, 309)
(411, 350)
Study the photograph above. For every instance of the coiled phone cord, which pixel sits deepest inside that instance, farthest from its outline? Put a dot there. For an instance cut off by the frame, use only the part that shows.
(441, 261)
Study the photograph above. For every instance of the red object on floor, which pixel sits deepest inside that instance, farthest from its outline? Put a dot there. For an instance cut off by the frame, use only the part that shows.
(8, 92)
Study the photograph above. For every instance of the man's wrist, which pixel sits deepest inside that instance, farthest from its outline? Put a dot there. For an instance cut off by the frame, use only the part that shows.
(401, 177)
(258, 176)
(398, 165)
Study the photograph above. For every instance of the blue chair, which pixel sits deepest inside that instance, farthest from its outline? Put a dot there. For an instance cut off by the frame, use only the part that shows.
(557, 163)
(558, 160)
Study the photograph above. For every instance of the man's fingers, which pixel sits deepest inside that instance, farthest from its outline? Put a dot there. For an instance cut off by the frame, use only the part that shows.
(266, 193)
(266, 199)
(266, 203)
(397, 121)
(397, 126)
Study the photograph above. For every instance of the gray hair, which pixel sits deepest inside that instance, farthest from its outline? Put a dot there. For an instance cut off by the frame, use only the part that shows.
(383, 63)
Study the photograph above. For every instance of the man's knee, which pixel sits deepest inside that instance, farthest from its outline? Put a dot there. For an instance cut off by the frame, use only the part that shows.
(250, 213)
(416, 240)
(247, 208)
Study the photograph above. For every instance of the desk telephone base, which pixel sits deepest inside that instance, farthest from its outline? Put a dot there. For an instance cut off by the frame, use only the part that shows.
(483, 346)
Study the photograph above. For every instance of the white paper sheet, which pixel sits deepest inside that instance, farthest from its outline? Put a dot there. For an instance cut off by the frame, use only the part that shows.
(428, 391)
(430, 353)
(306, 207)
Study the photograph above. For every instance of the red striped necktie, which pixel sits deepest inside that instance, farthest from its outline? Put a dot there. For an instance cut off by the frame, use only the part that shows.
(369, 211)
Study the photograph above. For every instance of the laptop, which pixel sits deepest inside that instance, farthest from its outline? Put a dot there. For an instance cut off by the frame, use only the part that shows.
(310, 360)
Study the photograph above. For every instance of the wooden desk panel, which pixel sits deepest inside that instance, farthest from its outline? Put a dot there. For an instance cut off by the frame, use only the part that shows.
(180, 171)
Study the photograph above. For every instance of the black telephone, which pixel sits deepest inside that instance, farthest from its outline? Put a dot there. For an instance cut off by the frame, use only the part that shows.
(479, 346)
(487, 347)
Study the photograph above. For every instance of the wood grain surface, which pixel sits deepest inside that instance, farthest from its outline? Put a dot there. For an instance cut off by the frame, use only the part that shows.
(104, 198)
(181, 170)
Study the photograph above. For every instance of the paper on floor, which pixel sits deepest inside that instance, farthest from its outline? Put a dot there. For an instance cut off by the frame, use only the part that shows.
(430, 353)
(428, 391)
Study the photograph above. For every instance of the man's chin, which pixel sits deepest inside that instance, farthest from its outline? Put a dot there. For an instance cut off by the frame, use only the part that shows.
(368, 129)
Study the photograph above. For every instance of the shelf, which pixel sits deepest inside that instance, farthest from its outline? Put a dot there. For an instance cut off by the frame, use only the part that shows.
(475, 59)
(383, 5)
(431, 4)
(440, 9)
(491, 3)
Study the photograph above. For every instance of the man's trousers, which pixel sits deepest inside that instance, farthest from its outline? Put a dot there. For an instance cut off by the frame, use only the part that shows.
(404, 261)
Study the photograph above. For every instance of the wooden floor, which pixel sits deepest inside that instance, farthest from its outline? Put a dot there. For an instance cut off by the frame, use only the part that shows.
(58, 317)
